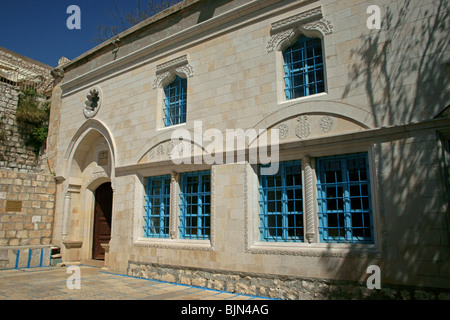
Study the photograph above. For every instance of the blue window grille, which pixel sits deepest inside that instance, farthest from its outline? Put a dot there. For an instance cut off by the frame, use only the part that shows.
(281, 204)
(157, 207)
(345, 213)
(175, 102)
(303, 67)
(195, 207)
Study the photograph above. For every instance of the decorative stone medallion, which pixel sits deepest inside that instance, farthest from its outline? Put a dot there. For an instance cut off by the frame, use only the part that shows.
(93, 102)
(303, 128)
(326, 124)
(283, 131)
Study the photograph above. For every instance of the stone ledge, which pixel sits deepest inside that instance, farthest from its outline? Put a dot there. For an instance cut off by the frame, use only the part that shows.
(281, 287)
(17, 257)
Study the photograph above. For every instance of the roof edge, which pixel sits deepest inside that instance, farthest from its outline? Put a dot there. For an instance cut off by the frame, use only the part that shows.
(153, 19)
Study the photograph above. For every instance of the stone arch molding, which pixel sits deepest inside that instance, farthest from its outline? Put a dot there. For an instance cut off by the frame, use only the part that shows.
(339, 109)
(163, 150)
(286, 31)
(326, 112)
(90, 126)
(96, 180)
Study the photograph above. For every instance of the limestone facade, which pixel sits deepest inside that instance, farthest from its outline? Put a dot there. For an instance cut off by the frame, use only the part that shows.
(384, 90)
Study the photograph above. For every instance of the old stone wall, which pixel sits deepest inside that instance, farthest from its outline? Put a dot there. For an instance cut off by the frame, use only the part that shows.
(26, 208)
(27, 190)
(26, 218)
(14, 154)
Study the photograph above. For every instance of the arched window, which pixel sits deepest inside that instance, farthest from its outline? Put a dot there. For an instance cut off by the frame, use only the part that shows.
(303, 68)
(175, 102)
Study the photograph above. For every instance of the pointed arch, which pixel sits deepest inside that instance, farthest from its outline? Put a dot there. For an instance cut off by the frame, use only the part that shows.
(88, 128)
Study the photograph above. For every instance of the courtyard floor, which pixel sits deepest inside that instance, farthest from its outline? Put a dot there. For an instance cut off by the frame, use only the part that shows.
(58, 283)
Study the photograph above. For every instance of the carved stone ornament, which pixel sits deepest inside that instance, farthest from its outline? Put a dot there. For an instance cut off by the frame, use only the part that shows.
(301, 18)
(171, 68)
(57, 73)
(187, 70)
(277, 38)
(326, 124)
(303, 128)
(323, 25)
(103, 158)
(308, 20)
(159, 79)
(172, 64)
(283, 131)
(74, 188)
(92, 102)
(160, 151)
(167, 150)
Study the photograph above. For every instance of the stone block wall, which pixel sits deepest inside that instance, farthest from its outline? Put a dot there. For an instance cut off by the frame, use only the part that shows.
(14, 154)
(34, 193)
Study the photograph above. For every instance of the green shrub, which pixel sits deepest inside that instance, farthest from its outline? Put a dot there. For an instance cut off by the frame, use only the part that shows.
(33, 115)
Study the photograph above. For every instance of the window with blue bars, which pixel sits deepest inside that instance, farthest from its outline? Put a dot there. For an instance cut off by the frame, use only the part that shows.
(281, 204)
(195, 206)
(303, 68)
(175, 102)
(345, 210)
(157, 207)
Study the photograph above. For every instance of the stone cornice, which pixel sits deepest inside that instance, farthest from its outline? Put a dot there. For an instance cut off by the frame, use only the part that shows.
(301, 18)
(172, 64)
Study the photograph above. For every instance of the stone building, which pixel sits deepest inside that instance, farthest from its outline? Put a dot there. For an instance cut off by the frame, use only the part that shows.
(27, 187)
(18, 73)
(353, 116)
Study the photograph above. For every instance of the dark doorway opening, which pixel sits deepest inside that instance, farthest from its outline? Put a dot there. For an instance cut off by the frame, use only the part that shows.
(102, 220)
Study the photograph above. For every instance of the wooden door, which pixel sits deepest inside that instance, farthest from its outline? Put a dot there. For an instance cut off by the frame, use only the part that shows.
(102, 219)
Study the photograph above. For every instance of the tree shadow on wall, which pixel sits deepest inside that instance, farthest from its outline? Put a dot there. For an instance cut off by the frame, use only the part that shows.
(403, 71)
(402, 66)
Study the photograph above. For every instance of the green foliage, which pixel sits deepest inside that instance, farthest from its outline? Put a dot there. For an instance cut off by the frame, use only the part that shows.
(29, 109)
(40, 134)
(33, 115)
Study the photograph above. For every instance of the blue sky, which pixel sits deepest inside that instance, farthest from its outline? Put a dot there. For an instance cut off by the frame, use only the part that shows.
(37, 29)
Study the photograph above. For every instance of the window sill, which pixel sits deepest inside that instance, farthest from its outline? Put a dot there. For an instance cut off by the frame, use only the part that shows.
(162, 128)
(301, 99)
(181, 244)
(315, 249)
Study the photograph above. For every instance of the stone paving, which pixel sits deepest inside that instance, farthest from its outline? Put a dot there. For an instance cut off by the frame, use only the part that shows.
(96, 284)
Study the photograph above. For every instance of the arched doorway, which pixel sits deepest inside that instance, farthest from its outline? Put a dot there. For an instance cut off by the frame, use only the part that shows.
(102, 220)
(86, 218)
